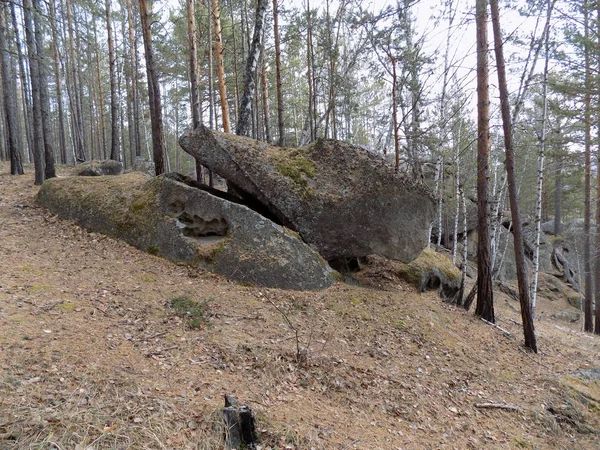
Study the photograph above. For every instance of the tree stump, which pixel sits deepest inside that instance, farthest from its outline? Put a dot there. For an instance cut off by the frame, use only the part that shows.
(238, 421)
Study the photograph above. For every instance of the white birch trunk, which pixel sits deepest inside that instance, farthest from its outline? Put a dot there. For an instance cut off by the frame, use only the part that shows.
(541, 155)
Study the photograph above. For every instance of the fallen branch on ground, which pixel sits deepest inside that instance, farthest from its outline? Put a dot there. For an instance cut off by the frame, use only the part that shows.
(505, 406)
(506, 332)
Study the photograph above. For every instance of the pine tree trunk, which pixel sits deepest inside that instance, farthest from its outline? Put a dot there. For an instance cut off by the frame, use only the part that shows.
(26, 94)
(101, 135)
(73, 89)
(236, 83)
(280, 110)
(526, 316)
(244, 121)
(10, 106)
(193, 61)
(212, 121)
(154, 100)
(114, 119)
(485, 293)
(588, 324)
(216, 18)
(310, 74)
(135, 136)
(193, 71)
(62, 138)
(597, 243)
(265, 98)
(38, 133)
(49, 171)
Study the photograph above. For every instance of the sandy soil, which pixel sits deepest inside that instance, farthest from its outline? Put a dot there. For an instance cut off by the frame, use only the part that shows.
(92, 357)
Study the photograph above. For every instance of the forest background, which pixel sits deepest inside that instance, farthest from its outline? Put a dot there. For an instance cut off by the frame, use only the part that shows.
(396, 78)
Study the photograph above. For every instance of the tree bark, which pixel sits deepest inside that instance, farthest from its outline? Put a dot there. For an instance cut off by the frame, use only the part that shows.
(49, 171)
(193, 61)
(265, 98)
(10, 106)
(485, 293)
(134, 134)
(38, 134)
(541, 157)
(280, 107)
(244, 120)
(73, 90)
(216, 18)
(62, 137)
(114, 114)
(588, 324)
(526, 316)
(154, 100)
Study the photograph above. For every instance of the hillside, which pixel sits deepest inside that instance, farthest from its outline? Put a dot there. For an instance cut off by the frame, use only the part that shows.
(92, 357)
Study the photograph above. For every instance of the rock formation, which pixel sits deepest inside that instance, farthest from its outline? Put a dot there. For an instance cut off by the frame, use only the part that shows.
(342, 200)
(168, 217)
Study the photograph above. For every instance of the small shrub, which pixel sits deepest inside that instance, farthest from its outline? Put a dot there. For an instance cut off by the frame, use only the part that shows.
(191, 311)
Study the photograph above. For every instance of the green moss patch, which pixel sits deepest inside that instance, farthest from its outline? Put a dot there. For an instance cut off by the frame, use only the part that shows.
(427, 261)
(191, 311)
(293, 164)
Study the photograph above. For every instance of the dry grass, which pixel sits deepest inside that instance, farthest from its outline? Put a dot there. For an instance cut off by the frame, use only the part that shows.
(92, 357)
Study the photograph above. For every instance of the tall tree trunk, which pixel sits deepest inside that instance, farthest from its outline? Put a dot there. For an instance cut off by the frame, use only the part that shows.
(193, 70)
(597, 246)
(526, 316)
(212, 120)
(588, 324)
(244, 121)
(62, 137)
(310, 74)
(236, 82)
(135, 136)
(193, 59)
(265, 97)
(101, 148)
(457, 191)
(10, 106)
(38, 133)
(114, 119)
(216, 18)
(73, 89)
(49, 171)
(558, 191)
(158, 136)
(541, 157)
(280, 110)
(26, 94)
(485, 293)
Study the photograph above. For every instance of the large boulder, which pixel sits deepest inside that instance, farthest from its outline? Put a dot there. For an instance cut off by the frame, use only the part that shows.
(341, 199)
(98, 168)
(167, 217)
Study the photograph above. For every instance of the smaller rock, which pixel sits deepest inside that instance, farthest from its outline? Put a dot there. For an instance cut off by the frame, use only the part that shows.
(141, 164)
(575, 299)
(98, 168)
(591, 374)
(567, 316)
(432, 270)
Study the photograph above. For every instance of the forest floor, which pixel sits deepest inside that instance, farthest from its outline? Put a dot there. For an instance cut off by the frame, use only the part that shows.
(92, 357)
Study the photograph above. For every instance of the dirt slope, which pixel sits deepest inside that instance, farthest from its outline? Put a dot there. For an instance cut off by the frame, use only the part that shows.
(91, 357)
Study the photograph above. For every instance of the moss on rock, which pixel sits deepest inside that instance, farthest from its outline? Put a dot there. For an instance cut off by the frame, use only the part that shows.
(431, 270)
